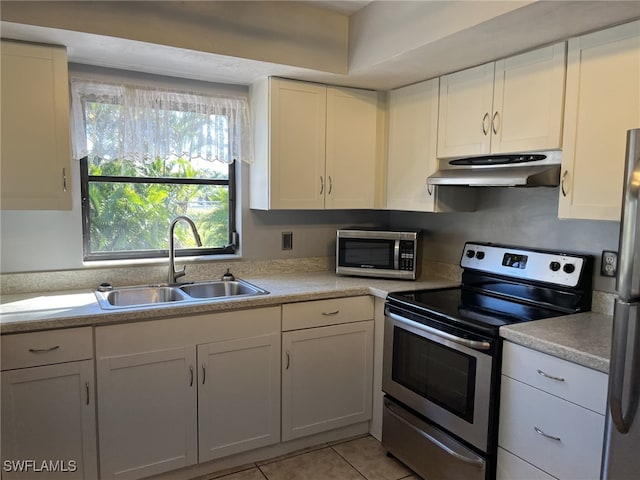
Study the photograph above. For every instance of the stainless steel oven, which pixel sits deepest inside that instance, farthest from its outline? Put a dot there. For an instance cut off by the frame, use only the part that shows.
(443, 376)
(442, 354)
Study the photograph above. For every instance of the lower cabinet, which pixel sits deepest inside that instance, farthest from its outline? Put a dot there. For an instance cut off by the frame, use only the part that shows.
(328, 366)
(551, 417)
(180, 391)
(48, 405)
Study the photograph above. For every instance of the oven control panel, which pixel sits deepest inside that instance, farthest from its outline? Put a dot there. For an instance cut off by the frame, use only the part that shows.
(538, 265)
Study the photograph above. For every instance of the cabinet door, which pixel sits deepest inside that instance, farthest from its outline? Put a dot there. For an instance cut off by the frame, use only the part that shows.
(528, 100)
(327, 378)
(350, 148)
(413, 130)
(602, 103)
(36, 151)
(147, 416)
(48, 415)
(238, 395)
(464, 118)
(297, 159)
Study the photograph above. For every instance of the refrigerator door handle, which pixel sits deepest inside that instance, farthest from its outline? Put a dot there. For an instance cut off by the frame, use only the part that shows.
(627, 286)
(624, 314)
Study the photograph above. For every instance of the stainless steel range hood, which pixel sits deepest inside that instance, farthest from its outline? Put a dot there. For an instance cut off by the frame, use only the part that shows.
(515, 170)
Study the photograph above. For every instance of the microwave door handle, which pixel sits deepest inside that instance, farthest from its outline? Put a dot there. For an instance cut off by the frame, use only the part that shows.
(396, 255)
(474, 344)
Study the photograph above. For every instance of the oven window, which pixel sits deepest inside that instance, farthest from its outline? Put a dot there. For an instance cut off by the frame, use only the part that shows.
(367, 253)
(441, 374)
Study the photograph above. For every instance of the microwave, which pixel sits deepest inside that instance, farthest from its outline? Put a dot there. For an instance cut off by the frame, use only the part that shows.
(378, 253)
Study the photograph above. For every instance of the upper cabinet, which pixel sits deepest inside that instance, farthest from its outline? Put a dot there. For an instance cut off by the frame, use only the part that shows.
(413, 133)
(511, 105)
(315, 146)
(35, 138)
(602, 103)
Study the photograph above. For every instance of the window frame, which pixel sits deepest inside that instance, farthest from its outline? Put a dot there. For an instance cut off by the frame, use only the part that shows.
(85, 179)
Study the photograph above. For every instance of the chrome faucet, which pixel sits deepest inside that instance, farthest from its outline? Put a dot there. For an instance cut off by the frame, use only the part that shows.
(173, 273)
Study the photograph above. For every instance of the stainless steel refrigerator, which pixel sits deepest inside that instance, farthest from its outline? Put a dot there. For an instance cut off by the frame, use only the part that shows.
(621, 455)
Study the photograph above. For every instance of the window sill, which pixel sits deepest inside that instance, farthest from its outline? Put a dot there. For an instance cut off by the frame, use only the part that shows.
(159, 261)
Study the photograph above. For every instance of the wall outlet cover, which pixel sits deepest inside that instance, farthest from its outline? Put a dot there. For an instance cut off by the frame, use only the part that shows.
(609, 263)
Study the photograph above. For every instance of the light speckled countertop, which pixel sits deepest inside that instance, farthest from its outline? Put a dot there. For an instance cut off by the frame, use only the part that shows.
(583, 338)
(49, 310)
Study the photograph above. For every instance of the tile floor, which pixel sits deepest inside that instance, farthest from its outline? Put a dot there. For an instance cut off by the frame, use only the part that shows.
(356, 459)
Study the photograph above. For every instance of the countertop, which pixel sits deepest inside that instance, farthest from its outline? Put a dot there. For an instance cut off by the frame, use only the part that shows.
(583, 338)
(50, 310)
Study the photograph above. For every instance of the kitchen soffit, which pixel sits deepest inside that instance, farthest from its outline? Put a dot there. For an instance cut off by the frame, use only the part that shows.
(391, 44)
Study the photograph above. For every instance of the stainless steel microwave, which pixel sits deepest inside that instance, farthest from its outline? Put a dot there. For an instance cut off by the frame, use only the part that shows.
(378, 253)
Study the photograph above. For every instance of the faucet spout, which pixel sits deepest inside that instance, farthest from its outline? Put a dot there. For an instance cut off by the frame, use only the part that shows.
(173, 273)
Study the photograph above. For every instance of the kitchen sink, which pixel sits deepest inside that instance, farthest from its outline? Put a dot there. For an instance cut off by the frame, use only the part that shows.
(232, 288)
(157, 295)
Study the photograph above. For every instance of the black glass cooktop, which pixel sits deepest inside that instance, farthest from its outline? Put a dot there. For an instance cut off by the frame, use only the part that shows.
(466, 307)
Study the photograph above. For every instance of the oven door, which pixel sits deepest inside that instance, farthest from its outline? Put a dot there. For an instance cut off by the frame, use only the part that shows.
(440, 375)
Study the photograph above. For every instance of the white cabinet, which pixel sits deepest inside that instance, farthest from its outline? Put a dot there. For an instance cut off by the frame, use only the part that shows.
(315, 146)
(179, 391)
(327, 365)
(551, 416)
(48, 411)
(36, 151)
(602, 103)
(511, 105)
(238, 395)
(413, 133)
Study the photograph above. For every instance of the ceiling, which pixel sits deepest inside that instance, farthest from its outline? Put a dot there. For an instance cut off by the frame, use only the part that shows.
(391, 44)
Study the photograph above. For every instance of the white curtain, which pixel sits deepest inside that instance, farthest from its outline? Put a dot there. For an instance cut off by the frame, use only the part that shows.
(140, 119)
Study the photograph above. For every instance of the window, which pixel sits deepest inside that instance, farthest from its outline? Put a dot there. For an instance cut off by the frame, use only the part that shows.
(148, 155)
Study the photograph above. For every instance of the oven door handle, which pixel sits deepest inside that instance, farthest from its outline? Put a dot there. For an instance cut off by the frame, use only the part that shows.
(474, 344)
(477, 462)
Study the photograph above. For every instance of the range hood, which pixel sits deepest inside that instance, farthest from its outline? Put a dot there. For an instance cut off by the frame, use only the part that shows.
(514, 170)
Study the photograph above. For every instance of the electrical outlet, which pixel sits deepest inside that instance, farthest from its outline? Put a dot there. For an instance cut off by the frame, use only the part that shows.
(287, 240)
(609, 263)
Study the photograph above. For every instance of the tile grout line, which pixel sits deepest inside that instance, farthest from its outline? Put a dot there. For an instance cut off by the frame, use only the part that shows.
(348, 462)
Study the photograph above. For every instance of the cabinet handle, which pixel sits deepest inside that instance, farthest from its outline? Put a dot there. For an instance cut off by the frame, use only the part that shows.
(321, 185)
(551, 377)
(330, 185)
(331, 314)
(64, 179)
(191, 375)
(44, 350)
(564, 176)
(485, 124)
(288, 360)
(86, 387)
(493, 123)
(546, 435)
(204, 373)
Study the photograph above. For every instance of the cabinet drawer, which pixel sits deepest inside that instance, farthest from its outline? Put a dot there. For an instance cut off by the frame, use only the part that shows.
(567, 380)
(528, 414)
(47, 347)
(511, 467)
(318, 313)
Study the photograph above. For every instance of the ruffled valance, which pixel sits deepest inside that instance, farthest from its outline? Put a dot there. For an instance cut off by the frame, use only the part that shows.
(143, 121)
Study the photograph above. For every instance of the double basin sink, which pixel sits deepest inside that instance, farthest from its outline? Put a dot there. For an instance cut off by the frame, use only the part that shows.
(157, 295)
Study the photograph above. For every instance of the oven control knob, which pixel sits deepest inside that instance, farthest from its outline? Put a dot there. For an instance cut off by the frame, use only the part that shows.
(569, 268)
(555, 266)
(471, 253)
(480, 255)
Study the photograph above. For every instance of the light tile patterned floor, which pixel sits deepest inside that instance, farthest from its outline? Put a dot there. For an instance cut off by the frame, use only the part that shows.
(357, 459)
